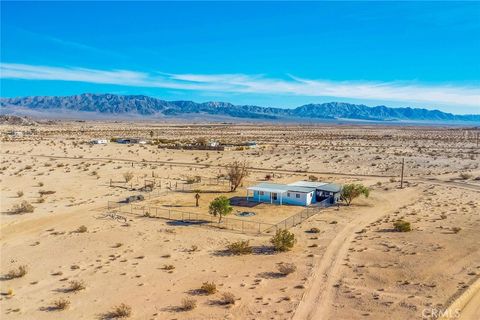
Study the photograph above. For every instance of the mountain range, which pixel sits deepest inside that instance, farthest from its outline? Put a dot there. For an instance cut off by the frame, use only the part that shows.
(112, 104)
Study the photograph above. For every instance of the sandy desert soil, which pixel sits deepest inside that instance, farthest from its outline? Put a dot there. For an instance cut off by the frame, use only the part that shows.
(356, 267)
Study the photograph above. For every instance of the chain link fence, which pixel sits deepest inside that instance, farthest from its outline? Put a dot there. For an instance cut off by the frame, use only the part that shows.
(192, 218)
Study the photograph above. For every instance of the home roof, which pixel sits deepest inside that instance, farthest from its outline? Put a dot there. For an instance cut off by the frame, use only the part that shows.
(308, 184)
(331, 187)
(279, 188)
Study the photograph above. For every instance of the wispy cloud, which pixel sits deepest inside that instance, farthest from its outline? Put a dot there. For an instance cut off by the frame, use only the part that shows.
(70, 44)
(451, 95)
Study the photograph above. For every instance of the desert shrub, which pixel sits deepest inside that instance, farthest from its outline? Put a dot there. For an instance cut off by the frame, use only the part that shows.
(239, 247)
(195, 179)
(188, 304)
(465, 176)
(283, 240)
(312, 178)
(314, 230)
(46, 192)
(208, 288)
(60, 304)
(286, 268)
(168, 267)
(81, 229)
(20, 194)
(17, 273)
(120, 311)
(402, 226)
(228, 298)
(456, 229)
(23, 207)
(76, 285)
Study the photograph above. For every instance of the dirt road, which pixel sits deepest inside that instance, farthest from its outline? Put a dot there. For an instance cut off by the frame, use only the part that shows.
(317, 299)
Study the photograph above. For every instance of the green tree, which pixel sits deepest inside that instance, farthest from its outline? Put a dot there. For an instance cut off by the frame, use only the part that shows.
(352, 191)
(220, 207)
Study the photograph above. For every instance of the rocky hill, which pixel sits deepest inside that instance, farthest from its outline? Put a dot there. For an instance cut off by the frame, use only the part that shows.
(111, 104)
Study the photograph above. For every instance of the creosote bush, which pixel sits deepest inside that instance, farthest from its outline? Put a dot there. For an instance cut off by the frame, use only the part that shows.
(239, 247)
(168, 267)
(456, 229)
(23, 207)
(228, 298)
(314, 230)
(283, 240)
(76, 285)
(17, 273)
(81, 229)
(208, 288)
(60, 304)
(188, 304)
(402, 226)
(286, 268)
(120, 311)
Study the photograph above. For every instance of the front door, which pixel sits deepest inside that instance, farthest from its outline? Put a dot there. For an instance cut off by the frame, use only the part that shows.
(274, 196)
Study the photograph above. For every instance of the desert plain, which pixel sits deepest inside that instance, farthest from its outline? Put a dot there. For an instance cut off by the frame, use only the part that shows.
(354, 266)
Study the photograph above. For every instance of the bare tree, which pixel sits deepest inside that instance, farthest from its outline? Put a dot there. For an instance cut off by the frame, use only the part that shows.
(236, 171)
(128, 176)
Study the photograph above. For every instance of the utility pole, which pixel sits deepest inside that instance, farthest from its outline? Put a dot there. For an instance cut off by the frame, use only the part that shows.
(401, 178)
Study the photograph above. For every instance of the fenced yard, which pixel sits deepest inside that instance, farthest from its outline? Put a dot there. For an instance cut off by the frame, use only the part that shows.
(177, 217)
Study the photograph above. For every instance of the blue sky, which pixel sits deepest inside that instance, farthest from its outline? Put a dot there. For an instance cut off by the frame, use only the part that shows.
(272, 54)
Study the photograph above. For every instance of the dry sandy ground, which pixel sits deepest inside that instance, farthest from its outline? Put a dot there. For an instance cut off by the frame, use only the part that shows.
(355, 268)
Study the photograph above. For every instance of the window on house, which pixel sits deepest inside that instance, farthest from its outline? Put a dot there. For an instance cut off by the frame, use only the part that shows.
(262, 193)
(297, 195)
(288, 194)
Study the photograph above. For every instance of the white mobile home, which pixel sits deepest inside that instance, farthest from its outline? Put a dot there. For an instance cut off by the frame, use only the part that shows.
(300, 193)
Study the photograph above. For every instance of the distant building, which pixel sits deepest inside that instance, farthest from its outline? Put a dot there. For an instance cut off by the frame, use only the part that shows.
(99, 141)
(300, 193)
(17, 134)
(130, 141)
(213, 144)
(251, 144)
